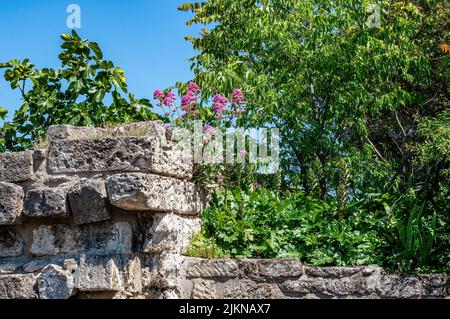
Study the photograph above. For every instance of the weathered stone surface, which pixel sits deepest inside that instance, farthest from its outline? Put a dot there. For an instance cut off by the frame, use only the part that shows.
(137, 129)
(247, 289)
(97, 273)
(11, 243)
(133, 276)
(55, 283)
(35, 265)
(400, 286)
(89, 202)
(9, 267)
(46, 202)
(340, 287)
(204, 289)
(18, 287)
(267, 269)
(11, 203)
(170, 233)
(203, 268)
(50, 240)
(146, 192)
(332, 272)
(138, 147)
(16, 167)
(434, 285)
(111, 239)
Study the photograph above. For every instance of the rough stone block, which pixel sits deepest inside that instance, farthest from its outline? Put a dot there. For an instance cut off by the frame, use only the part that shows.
(170, 233)
(133, 276)
(247, 289)
(46, 202)
(16, 167)
(89, 202)
(18, 287)
(11, 243)
(146, 192)
(111, 239)
(204, 289)
(55, 283)
(434, 285)
(338, 287)
(267, 269)
(137, 147)
(126, 154)
(9, 267)
(400, 286)
(11, 203)
(50, 240)
(97, 273)
(332, 272)
(204, 268)
(35, 265)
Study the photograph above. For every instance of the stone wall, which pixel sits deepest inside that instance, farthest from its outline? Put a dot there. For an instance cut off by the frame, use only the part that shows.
(287, 279)
(106, 213)
(100, 213)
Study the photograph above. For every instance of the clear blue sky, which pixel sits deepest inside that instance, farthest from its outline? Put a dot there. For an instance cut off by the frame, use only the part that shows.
(143, 37)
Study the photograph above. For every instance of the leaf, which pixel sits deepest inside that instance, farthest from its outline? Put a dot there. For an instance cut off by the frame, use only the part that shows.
(97, 51)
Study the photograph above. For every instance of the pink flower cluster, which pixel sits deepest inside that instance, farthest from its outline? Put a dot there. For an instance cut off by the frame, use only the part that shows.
(190, 104)
(164, 99)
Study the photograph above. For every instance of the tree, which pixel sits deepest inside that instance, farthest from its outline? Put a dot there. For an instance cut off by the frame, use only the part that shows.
(75, 94)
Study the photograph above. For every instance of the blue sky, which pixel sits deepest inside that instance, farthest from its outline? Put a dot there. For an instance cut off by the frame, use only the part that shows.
(143, 37)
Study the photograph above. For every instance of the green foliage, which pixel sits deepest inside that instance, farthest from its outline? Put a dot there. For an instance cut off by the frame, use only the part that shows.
(263, 224)
(362, 112)
(75, 94)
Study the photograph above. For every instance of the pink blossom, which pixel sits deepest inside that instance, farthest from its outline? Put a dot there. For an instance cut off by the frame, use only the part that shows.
(193, 87)
(188, 101)
(238, 97)
(195, 112)
(158, 94)
(219, 103)
(242, 153)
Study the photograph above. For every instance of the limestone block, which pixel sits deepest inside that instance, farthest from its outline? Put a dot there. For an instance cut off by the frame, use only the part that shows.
(400, 286)
(96, 273)
(50, 240)
(434, 285)
(35, 265)
(133, 276)
(204, 268)
(11, 203)
(55, 283)
(18, 287)
(46, 202)
(89, 202)
(170, 233)
(332, 272)
(138, 147)
(268, 269)
(110, 239)
(247, 289)
(11, 243)
(340, 287)
(146, 192)
(16, 167)
(204, 289)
